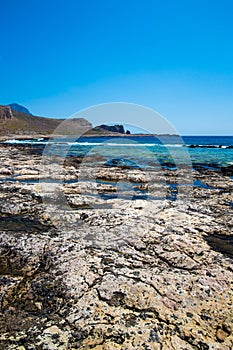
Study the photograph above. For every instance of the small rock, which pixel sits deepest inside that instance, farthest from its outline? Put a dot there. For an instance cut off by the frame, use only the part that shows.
(221, 335)
(39, 306)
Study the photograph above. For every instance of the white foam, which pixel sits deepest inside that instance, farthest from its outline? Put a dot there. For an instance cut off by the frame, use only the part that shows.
(15, 142)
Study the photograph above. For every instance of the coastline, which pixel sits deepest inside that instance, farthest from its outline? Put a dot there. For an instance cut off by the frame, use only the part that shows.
(131, 247)
(84, 135)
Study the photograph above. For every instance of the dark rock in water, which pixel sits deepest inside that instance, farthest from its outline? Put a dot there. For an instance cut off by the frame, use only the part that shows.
(122, 163)
(227, 170)
(205, 167)
(205, 146)
(168, 165)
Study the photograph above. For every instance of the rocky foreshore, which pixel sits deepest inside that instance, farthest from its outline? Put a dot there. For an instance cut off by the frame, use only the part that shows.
(104, 257)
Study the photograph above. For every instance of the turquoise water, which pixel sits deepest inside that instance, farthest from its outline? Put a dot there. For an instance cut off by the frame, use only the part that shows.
(143, 151)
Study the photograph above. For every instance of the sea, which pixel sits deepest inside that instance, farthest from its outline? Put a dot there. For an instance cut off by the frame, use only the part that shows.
(139, 151)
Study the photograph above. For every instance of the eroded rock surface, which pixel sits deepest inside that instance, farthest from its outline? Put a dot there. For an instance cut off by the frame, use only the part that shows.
(114, 258)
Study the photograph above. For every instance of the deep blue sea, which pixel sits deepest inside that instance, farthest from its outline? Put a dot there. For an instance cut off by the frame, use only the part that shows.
(143, 151)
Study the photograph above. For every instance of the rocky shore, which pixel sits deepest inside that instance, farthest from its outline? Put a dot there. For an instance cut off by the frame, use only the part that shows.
(106, 257)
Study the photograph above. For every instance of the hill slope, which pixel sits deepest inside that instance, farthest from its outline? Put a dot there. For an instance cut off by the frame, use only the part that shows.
(25, 124)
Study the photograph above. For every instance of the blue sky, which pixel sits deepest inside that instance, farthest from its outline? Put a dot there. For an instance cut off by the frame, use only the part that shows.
(175, 56)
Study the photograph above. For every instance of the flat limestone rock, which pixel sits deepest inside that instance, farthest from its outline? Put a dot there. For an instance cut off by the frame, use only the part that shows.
(89, 264)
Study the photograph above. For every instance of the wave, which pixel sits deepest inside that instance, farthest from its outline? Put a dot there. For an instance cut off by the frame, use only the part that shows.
(109, 144)
(13, 141)
(26, 142)
(42, 141)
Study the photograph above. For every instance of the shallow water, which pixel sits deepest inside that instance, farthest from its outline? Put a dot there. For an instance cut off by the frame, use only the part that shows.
(22, 224)
(221, 244)
(143, 151)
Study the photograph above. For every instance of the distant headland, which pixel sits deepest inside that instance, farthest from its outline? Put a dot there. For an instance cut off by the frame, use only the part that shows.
(16, 121)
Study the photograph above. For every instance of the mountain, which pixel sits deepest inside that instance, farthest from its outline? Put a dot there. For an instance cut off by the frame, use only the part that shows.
(13, 123)
(18, 108)
(16, 120)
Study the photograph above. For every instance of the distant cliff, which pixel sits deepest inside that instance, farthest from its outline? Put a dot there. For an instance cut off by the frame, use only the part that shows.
(112, 128)
(18, 108)
(17, 123)
(5, 113)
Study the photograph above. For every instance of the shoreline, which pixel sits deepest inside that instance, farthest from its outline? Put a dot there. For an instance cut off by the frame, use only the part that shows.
(45, 136)
(224, 167)
(120, 250)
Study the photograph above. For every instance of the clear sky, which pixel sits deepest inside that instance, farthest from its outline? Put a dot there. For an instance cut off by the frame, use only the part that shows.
(175, 56)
